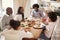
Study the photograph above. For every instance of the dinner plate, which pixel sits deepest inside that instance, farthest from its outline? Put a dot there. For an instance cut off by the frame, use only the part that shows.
(37, 27)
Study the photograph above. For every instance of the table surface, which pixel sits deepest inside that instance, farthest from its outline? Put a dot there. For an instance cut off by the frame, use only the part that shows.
(35, 31)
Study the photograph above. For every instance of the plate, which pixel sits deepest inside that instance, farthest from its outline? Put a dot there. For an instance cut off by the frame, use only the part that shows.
(37, 27)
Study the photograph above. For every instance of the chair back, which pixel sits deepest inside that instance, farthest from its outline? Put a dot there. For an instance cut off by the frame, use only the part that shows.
(29, 39)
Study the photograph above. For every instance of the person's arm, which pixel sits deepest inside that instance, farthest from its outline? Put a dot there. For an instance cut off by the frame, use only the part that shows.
(41, 13)
(32, 14)
(3, 23)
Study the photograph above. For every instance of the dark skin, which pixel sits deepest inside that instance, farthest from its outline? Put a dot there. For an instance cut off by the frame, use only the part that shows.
(9, 11)
(22, 10)
(36, 9)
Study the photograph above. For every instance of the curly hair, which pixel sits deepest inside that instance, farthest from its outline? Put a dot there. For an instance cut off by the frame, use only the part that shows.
(14, 24)
(35, 5)
(52, 16)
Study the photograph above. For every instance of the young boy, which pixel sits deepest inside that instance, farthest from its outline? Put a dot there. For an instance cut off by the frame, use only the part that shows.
(52, 17)
(36, 13)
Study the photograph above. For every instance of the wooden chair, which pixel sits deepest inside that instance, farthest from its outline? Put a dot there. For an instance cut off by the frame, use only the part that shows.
(29, 39)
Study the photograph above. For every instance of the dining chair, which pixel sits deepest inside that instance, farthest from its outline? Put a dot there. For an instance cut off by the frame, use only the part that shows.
(29, 39)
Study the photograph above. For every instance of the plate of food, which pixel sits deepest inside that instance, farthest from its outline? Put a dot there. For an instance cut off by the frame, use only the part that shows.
(39, 26)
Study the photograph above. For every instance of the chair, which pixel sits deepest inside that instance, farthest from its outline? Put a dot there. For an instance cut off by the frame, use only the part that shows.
(29, 39)
(56, 31)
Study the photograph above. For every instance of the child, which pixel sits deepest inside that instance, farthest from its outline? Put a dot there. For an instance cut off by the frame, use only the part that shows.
(52, 17)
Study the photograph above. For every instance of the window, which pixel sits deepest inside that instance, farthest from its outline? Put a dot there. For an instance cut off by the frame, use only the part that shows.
(5, 4)
(0, 7)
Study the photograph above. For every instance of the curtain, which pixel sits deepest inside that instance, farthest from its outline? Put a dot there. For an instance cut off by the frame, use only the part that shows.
(18, 3)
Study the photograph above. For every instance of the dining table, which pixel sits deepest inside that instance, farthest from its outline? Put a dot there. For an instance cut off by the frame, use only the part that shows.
(34, 26)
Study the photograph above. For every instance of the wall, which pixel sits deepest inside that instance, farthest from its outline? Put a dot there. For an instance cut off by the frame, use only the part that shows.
(27, 9)
(25, 4)
(0, 6)
(5, 4)
(0, 12)
(18, 3)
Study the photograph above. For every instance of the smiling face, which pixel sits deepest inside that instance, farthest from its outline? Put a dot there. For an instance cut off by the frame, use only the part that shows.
(9, 11)
(36, 9)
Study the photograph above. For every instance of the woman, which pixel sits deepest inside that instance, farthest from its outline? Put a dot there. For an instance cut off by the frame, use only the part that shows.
(15, 33)
(20, 14)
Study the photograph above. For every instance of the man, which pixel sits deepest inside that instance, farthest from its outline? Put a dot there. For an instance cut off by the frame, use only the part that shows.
(36, 13)
(6, 18)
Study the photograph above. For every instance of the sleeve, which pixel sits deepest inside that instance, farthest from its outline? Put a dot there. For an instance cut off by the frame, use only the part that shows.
(41, 13)
(3, 23)
(31, 14)
(3, 32)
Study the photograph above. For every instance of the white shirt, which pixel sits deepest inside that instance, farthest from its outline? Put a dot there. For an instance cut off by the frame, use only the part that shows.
(37, 14)
(5, 21)
(18, 17)
(16, 34)
(56, 33)
(49, 29)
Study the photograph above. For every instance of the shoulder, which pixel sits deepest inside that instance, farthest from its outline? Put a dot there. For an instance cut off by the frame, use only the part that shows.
(52, 23)
(4, 17)
(33, 10)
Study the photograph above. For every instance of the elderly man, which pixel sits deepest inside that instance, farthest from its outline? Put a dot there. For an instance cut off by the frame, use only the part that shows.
(6, 18)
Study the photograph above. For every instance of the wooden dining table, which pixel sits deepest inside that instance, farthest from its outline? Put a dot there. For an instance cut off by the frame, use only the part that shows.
(35, 31)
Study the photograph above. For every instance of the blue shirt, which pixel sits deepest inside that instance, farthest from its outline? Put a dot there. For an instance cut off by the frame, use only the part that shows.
(37, 14)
